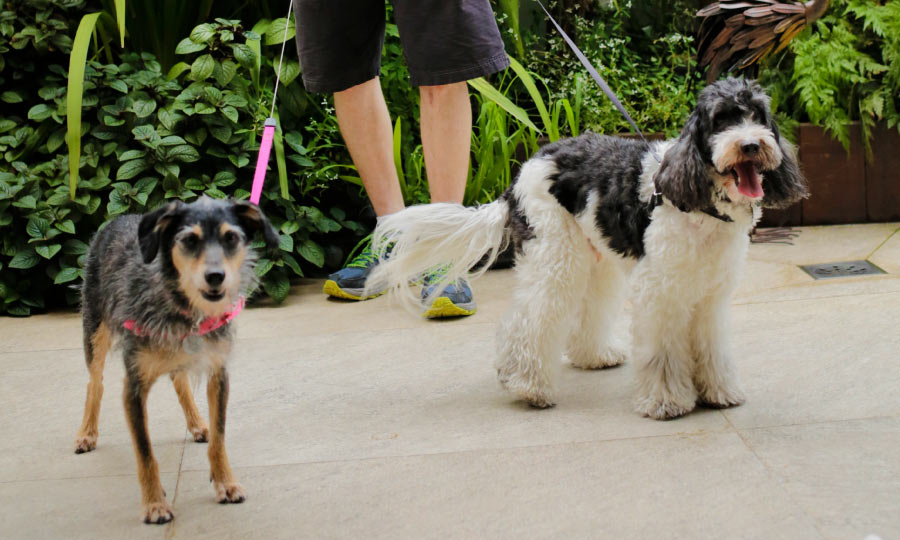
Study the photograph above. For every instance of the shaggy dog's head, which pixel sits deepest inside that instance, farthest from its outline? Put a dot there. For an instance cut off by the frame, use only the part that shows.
(731, 147)
(204, 248)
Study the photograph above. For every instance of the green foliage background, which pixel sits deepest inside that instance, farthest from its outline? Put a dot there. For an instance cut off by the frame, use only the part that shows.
(148, 136)
(178, 113)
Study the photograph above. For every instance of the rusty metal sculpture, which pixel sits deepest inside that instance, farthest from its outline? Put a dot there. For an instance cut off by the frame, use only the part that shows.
(736, 34)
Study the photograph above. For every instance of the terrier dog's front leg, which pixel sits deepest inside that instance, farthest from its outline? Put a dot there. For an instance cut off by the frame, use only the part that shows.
(714, 374)
(195, 422)
(155, 507)
(227, 489)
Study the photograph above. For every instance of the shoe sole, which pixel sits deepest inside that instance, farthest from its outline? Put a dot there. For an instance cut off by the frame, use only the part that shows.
(444, 307)
(331, 288)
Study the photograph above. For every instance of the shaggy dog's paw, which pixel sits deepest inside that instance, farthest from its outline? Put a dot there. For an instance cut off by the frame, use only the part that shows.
(607, 359)
(230, 492)
(157, 512)
(200, 433)
(526, 390)
(660, 409)
(722, 398)
(85, 443)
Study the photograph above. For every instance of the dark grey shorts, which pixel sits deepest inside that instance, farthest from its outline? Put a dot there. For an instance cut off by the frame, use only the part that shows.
(444, 41)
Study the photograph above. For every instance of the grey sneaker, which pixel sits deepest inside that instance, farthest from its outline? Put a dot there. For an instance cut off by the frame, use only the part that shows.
(350, 281)
(455, 301)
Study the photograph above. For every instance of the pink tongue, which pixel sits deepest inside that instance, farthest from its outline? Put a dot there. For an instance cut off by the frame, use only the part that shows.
(749, 181)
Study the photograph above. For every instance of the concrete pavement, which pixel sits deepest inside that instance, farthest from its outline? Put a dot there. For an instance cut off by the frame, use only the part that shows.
(351, 420)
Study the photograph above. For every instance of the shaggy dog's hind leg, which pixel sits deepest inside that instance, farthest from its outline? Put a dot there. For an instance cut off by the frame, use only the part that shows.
(714, 374)
(593, 343)
(551, 278)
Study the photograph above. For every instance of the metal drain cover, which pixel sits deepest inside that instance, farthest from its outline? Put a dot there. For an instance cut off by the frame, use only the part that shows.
(841, 269)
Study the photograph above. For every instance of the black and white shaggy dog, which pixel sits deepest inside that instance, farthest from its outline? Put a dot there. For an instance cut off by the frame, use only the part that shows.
(586, 213)
(165, 286)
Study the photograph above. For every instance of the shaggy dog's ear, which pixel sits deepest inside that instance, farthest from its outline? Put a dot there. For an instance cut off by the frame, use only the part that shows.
(683, 177)
(252, 219)
(153, 226)
(786, 184)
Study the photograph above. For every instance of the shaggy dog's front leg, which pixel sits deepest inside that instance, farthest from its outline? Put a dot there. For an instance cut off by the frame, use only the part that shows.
(662, 352)
(714, 374)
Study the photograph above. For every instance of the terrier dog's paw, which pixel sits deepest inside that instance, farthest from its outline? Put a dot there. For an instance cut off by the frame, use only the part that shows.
(200, 433)
(85, 443)
(533, 394)
(609, 358)
(661, 409)
(231, 492)
(722, 398)
(158, 512)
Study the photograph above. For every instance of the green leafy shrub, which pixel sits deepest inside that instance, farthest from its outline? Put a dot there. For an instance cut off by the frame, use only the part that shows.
(148, 137)
(847, 68)
(648, 64)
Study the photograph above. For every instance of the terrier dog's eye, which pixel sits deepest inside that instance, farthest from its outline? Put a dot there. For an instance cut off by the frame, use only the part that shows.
(230, 239)
(190, 241)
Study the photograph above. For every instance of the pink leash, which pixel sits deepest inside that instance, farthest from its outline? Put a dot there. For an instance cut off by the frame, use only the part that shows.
(265, 146)
(262, 161)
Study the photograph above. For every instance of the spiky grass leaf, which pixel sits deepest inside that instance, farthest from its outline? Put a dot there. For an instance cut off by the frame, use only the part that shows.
(120, 19)
(492, 94)
(535, 94)
(77, 60)
(398, 162)
(279, 160)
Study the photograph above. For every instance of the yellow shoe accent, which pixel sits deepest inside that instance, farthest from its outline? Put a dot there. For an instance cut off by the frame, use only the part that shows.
(331, 288)
(444, 307)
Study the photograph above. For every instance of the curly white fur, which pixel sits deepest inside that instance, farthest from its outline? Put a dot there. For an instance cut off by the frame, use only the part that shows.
(583, 232)
(424, 238)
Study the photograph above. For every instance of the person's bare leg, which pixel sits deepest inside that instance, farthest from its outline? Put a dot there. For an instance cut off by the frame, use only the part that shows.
(446, 117)
(366, 127)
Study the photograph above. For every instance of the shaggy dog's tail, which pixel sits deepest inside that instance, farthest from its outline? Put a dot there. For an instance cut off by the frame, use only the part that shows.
(443, 240)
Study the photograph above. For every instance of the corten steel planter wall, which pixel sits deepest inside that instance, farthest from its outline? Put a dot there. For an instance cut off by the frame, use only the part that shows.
(844, 187)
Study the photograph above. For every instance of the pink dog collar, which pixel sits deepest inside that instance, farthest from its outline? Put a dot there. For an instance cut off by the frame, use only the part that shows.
(206, 326)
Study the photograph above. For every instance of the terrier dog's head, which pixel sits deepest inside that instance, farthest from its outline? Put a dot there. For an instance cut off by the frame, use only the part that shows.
(204, 247)
(731, 146)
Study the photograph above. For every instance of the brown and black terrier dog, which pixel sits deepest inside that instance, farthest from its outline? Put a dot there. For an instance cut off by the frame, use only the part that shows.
(165, 286)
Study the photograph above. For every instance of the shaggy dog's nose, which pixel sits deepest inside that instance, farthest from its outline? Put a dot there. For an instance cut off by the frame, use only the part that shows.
(750, 149)
(215, 277)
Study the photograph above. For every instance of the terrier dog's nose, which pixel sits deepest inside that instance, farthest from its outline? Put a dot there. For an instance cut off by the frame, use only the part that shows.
(215, 277)
(750, 149)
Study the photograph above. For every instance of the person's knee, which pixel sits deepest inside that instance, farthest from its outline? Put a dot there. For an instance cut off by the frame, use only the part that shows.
(440, 91)
(359, 88)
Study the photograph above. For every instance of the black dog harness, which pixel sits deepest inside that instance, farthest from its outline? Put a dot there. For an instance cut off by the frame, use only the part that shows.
(657, 199)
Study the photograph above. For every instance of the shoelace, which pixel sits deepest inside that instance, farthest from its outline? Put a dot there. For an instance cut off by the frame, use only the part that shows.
(364, 259)
(436, 274)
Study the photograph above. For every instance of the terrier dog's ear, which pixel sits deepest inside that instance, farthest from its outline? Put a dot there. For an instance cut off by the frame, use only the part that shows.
(786, 184)
(252, 219)
(153, 226)
(683, 176)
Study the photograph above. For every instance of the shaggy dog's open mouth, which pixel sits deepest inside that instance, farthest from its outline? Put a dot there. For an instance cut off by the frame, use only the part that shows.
(747, 179)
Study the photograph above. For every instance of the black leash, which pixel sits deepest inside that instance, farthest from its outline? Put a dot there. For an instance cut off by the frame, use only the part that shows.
(656, 199)
(601, 82)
